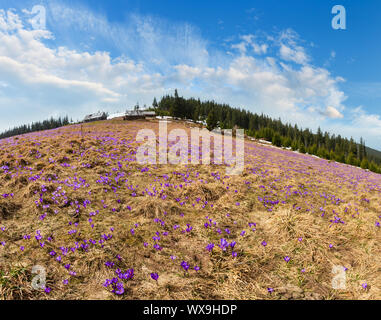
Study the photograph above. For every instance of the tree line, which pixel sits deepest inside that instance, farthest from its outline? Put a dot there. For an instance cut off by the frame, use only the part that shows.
(322, 144)
(36, 126)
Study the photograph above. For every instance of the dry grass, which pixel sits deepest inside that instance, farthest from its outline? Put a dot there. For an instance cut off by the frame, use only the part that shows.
(268, 173)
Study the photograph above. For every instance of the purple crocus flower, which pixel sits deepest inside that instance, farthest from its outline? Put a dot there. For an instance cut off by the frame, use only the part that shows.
(185, 265)
(157, 247)
(154, 276)
(118, 288)
(223, 244)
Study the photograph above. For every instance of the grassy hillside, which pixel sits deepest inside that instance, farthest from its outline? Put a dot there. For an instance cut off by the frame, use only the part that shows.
(74, 201)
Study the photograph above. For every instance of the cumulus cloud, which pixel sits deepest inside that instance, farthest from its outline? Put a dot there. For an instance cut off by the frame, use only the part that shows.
(360, 123)
(333, 113)
(59, 80)
(293, 54)
(290, 49)
(42, 73)
(249, 43)
(371, 122)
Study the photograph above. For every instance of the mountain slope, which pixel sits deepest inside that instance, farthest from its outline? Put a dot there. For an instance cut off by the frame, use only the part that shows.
(75, 202)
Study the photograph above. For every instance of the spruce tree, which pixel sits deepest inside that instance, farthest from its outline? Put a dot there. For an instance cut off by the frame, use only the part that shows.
(211, 121)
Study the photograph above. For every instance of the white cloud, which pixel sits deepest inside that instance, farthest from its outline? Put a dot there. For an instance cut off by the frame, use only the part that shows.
(249, 41)
(296, 55)
(271, 73)
(260, 49)
(371, 122)
(333, 113)
(157, 42)
(360, 124)
(290, 50)
(241, 47)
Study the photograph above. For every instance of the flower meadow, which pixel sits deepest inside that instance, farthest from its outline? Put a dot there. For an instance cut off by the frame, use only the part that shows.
(75, 201)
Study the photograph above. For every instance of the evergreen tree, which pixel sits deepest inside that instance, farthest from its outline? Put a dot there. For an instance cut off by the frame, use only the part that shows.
(277, 141)
(155, 105)
(351, 159)
(364, 163)
(286, 142)
(302, 148)
(294, 145)
(211, 121)
(373, 167)
(175, 110)
(332, 155)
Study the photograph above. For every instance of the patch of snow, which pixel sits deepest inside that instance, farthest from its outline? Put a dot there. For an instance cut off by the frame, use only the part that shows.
(116, 115)
(164, 117)
(264, 141)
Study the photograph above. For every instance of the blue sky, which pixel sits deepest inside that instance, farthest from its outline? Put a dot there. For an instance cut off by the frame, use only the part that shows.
(282, 58)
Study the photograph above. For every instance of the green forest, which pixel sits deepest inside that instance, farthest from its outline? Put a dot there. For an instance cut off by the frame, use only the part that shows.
(36, 126)
(322, 144)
